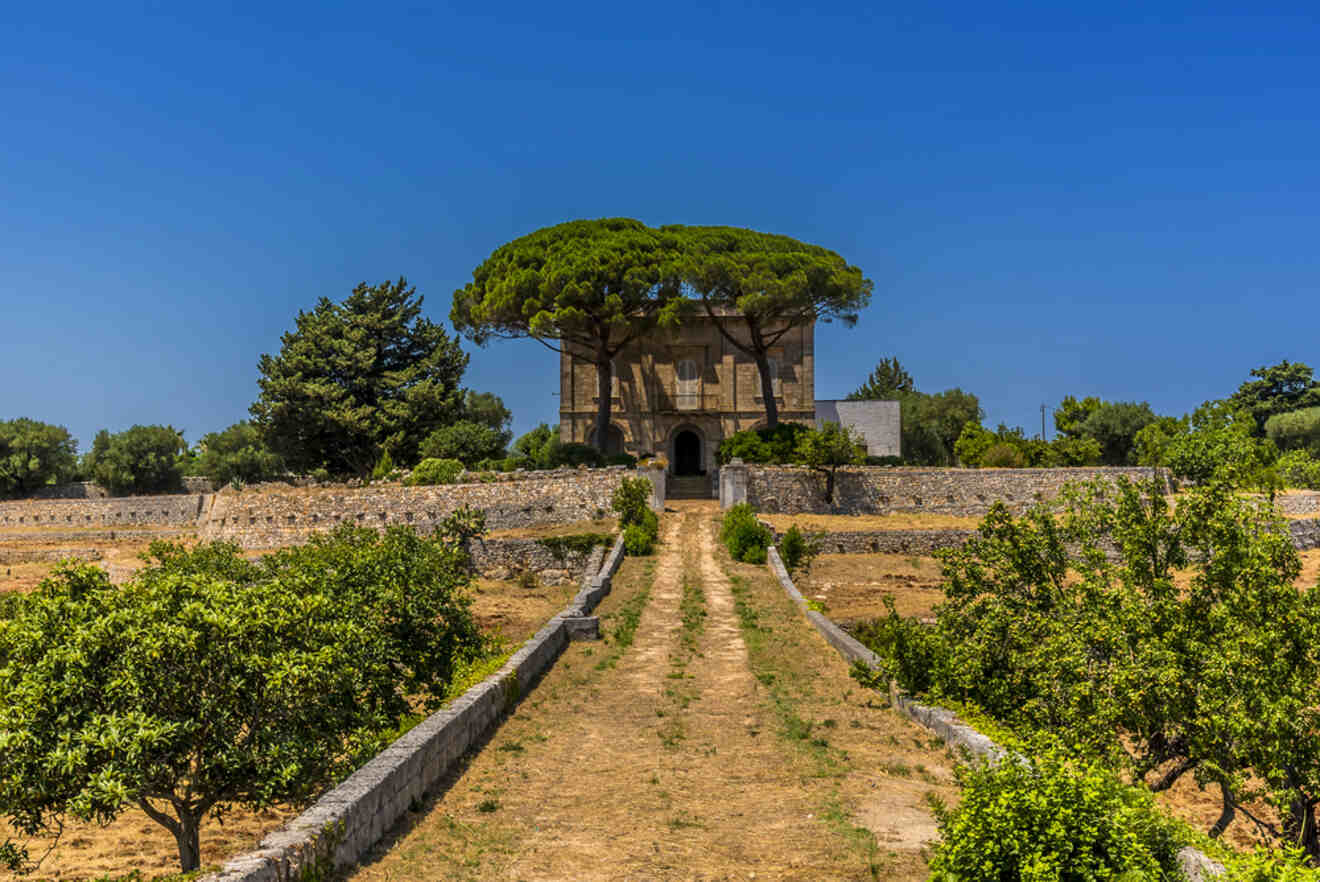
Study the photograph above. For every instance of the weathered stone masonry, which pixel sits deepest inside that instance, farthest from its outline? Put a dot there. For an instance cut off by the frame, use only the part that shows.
(876, 490)
(276, 517)
(175, 509)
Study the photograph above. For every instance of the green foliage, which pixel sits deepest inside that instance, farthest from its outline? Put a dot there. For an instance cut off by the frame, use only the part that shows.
(797, 549)
(1115, 424)
(632, 500)
(1295, 430)
(1220, 446)
(592, 285)
(1277, 389)
(1299, 469)
(638, 540)
(1071, 452)
(356, 378)
(33, 454)
(435, 471)
(1151, 444)
(620, 459)
(466, 441)
(770, 446)
(829, 447)
(210, 681)
(771, 283)
(384, 469)
(1266, 865)
(932, 424)
(744, 536)
(143, 459)
(972, 443)
(487, 409)
(534, 446)
(1071, 414)
(1071, 622)
(1052, 820)
(1002, 455)
(237, 453)
(886, 382)
(571, 453)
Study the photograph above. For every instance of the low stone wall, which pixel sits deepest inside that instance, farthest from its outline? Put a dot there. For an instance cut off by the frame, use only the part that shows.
(1196, 866)
(884, 490)
(1305, 533)
(274, 517)
(506, 558)
(173, 509)
(1298, 502)
(345, 823)
(46, 555)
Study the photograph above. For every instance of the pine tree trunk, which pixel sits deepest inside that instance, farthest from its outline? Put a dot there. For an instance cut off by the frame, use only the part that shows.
(604, 375)
(767, 391)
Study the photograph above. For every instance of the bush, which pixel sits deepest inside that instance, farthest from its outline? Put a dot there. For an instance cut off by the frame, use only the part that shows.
(384, 470)
(621, 459)
(631, 500)
(559, 453)
(435, 471)
(883, 460)
(638, 540)
(33, 454)
(1003, 455)
(143, 459)
(774, 446)
(1295, 430)
(744, 536)
(796, 549)
(466, 441)
(1049, 820)
(237, 453)
(1299, 469)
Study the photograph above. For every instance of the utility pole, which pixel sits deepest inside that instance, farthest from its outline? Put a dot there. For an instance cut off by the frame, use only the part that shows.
(1042, 422)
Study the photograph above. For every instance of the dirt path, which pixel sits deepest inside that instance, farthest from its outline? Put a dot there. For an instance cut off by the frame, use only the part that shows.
(726, 742)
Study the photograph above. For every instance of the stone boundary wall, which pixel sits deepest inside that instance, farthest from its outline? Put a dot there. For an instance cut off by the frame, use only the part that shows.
(171, 510)
(886, 490)
(89, 490)
(505, 558)
(941, 721)
(345, 823)
(270, 518)
(1298, 502)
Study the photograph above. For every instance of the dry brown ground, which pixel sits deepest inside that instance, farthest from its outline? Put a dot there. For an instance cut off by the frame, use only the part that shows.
(852, 587)
(135, 842)
(863, 523)
(701, 751)
(602, 525)
(119, 556)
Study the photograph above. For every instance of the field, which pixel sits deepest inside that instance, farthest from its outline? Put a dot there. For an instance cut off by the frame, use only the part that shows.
(863, 523)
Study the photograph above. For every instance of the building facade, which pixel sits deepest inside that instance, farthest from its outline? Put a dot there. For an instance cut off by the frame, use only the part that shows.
(678, 394)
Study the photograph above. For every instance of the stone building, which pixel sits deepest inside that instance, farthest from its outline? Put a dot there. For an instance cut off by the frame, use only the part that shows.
(678, 394)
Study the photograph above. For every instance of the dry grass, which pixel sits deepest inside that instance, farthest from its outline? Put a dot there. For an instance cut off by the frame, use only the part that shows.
(853, 587)
(545, 531)
(695, 752)
(861, 523)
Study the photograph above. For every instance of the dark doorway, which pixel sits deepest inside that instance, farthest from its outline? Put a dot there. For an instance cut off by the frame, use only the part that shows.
(687, 454)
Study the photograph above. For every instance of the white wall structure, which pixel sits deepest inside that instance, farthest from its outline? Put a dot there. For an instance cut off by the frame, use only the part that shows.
(879, 422)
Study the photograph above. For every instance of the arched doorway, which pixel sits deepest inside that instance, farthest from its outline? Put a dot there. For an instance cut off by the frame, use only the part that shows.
(687, 453)
(613, 440)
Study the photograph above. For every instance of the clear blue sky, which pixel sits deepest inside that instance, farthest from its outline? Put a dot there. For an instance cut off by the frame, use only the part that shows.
(1113, 199)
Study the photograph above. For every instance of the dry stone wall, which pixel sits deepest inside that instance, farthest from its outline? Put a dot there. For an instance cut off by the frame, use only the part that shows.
(880, 490)
(175, 509)
(270, 518)
(506, 558)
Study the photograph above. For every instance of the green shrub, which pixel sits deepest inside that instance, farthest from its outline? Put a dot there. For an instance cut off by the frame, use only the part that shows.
(637, 540)
(558, 453)
(143, 459)
(631, 500)
(1003, 455)
(796, 549)
(384, 470)
(1051, 820)
(1299, 469)
(466, 441)
(435, 471)
(237, 453)
(1295, 430)
(744, 536)
(777, 445)
(1289, 865)
(621, 459)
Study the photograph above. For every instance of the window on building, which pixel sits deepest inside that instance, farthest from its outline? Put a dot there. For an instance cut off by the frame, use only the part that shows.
(688, 391)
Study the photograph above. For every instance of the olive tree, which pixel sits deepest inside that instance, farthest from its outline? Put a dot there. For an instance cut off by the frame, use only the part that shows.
(586, 288)
(32, 453)
(209, 681)
(757, 287)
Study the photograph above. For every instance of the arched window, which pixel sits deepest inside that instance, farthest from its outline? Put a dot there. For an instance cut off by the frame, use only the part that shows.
(688, 391)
